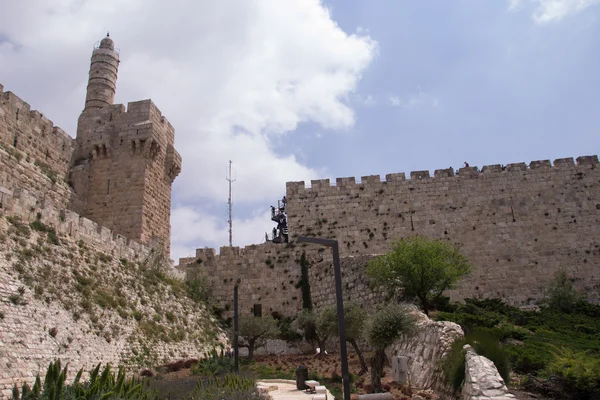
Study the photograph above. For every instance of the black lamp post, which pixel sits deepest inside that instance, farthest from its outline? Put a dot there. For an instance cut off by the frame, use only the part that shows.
(340, 306)
(236, 330)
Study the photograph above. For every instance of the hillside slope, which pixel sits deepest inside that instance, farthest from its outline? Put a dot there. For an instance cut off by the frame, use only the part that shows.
(65, 299)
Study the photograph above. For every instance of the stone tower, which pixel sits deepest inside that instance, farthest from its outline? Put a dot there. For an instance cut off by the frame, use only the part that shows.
(124, 161)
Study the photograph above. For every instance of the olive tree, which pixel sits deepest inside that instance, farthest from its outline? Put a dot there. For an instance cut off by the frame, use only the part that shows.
(312, 325)
(384, 328)
(254, 332)
(354, 318)
(419, 268)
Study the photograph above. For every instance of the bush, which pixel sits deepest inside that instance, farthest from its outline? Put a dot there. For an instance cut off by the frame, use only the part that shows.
(215, 364)
(579, 370)
(101, 385)
(485, 343)
(230, 387)
(562, 296)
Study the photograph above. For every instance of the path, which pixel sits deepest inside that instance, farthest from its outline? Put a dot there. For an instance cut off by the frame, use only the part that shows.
(286, 390)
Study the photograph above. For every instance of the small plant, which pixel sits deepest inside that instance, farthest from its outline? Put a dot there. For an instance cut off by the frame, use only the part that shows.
(18, 227)
(485, 343)
(101, 385)
(47, 170)
(213, 365)
(229, 387)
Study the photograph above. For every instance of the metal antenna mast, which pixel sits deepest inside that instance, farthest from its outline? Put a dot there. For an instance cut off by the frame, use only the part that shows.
(230, 222)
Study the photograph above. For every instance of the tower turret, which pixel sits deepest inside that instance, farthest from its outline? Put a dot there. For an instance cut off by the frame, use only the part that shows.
(102, 81)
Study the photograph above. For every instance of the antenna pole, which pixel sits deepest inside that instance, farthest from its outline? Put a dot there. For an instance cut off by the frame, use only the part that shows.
(230, 221)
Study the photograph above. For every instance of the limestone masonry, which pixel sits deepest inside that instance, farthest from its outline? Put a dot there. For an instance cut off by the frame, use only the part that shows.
(518, 224)
(119, 169)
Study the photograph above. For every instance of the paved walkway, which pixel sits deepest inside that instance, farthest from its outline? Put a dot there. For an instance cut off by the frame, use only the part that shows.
(286, 390)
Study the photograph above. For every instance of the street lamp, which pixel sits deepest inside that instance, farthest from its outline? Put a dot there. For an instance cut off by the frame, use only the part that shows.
(340, 305)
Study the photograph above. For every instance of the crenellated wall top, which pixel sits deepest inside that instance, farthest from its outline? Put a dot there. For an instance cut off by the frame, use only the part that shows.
(11, 100)
(469, 172)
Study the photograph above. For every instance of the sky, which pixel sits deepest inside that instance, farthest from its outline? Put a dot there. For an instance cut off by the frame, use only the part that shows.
(294, 90)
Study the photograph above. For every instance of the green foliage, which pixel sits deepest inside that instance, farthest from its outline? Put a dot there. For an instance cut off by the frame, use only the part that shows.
(388, 324)
(286, 332)
(485, 343)
(213, 365)
(18, 227)
(39, 226)
(580, 371)
(453, 365)
(101, 385)
(229, 387)
(305, 283)
(383, 328)
(199, 290)
(421, 268)
(562, 296)
(354, 316)
(254, 331)
(47, 170)
(264, 371)
(532, 337)
(313, 327)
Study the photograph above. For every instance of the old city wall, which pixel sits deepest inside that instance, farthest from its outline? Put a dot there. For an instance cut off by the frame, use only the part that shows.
(29, 187)
(267, 275)
(518, 224)
(29, 131)
(35, 154)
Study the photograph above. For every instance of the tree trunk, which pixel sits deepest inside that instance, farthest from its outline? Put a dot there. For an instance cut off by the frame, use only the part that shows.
(363, 364)
(377, 364)
(321, 343)
(425, 304)
(250, 350)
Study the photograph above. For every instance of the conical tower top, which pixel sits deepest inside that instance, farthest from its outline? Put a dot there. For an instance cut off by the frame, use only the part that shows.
(102, 82)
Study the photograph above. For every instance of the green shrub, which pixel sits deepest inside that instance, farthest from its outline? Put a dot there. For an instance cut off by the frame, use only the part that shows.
(579, 370)
(18, 227)
(47, 170)
(486, 344)
(101, 385)
(453, 365)
(213, 365)
(230, 387)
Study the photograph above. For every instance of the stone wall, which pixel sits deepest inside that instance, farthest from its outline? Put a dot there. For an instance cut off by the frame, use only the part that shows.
(21, 203)
(60, 302)
(517, 224)
(125, 161)
(482, 380)
(425, 350)
(33, 135)
(268, 275)
(124, 167)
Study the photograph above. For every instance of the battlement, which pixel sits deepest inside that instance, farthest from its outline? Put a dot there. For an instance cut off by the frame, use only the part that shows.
(20, 202)
(374, 181)
(29, 131)
(146, 110)
(209, 257)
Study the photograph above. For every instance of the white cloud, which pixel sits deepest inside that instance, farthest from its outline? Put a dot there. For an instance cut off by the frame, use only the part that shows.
(514, 5)
(547, 11)
(418, 99)
(197, 227)
(230, 76)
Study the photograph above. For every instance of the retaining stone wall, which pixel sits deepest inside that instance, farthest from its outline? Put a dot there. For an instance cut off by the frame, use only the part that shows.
(482, 380)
